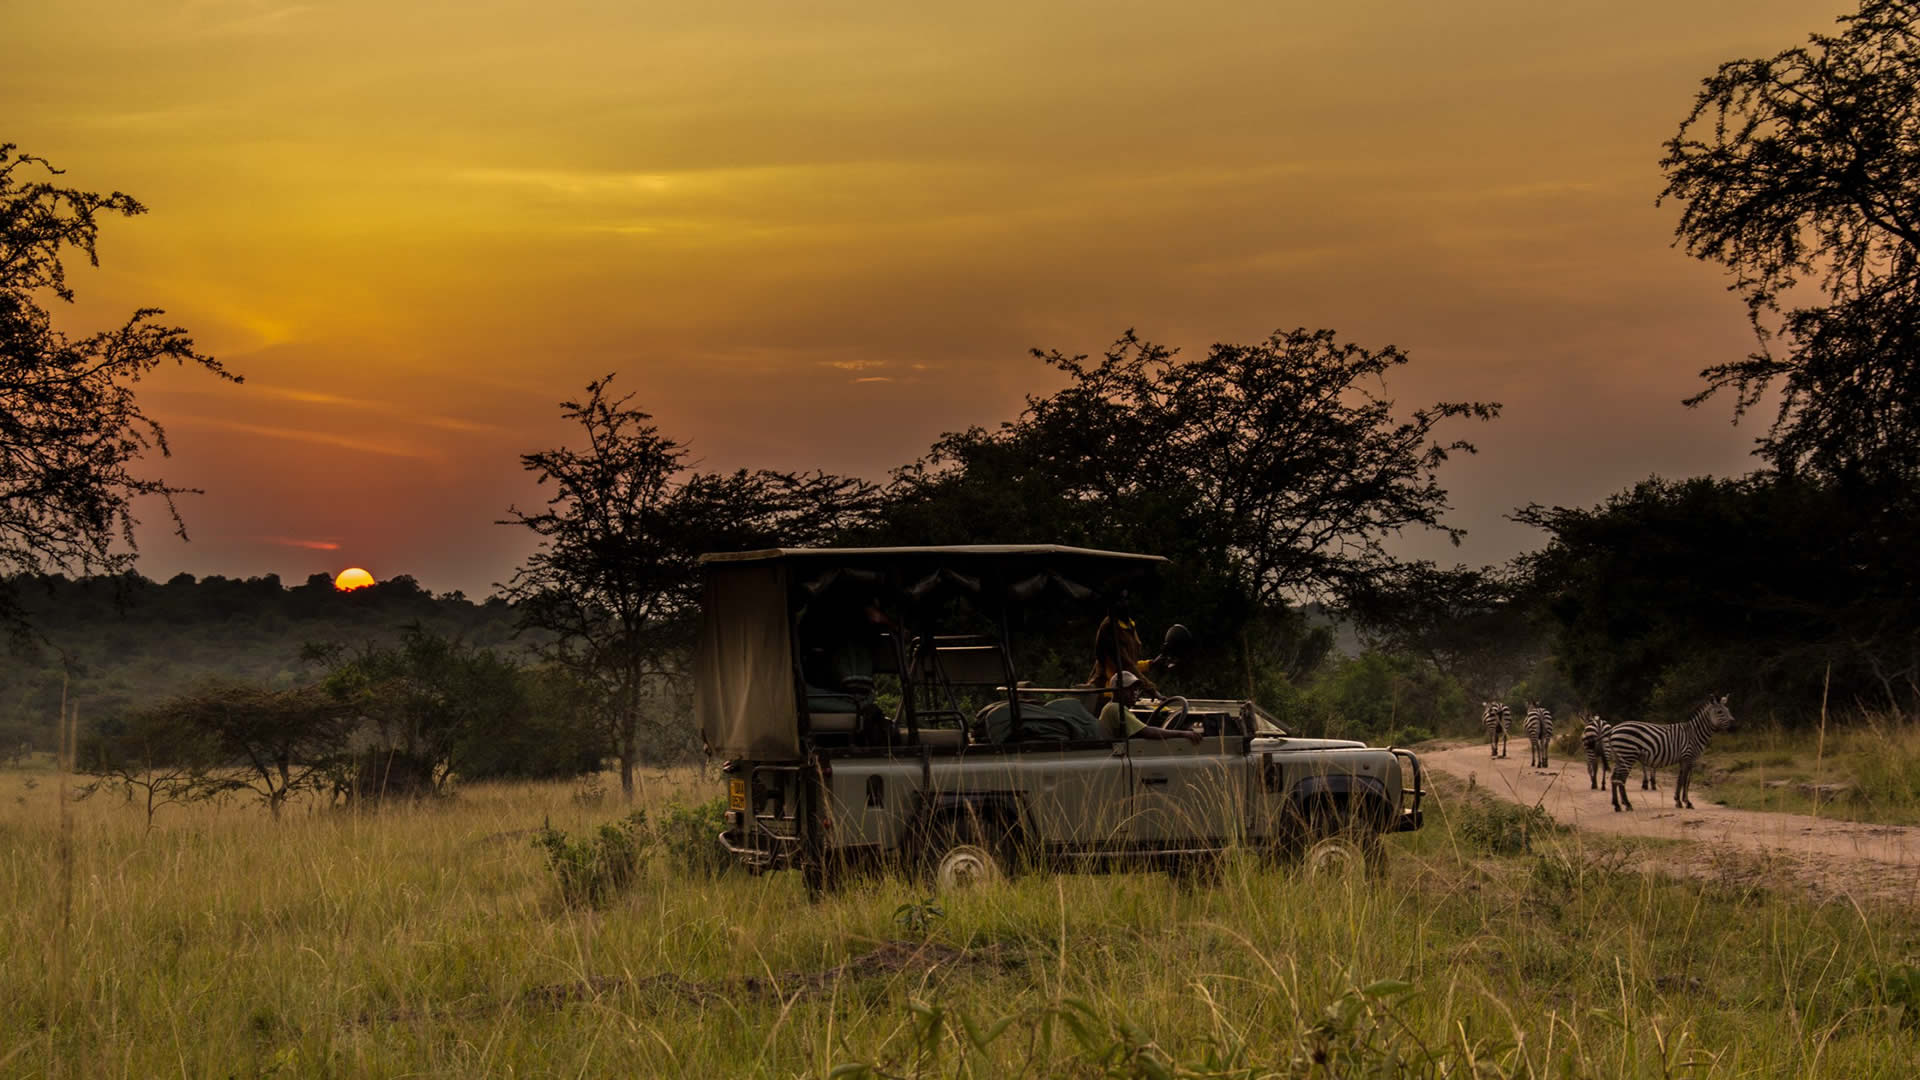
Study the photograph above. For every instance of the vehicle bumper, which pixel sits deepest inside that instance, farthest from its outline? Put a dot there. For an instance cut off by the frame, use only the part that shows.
(1411, 818)
(757, 846)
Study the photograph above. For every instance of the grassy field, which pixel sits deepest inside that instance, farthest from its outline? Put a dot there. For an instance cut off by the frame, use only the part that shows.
(1866, 772)
(431, 942)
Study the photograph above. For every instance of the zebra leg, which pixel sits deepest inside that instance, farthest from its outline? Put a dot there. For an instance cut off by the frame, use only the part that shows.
(1682, 795)
(1593, 772)
(1620, 801)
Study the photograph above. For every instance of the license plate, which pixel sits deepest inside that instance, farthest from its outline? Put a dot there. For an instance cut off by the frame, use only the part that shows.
(737, 794)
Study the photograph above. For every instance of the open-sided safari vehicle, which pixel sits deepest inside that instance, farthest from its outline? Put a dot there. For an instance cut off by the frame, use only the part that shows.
(867, 707)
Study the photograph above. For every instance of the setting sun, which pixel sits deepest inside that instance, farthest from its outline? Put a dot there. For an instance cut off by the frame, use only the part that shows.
(351, 579)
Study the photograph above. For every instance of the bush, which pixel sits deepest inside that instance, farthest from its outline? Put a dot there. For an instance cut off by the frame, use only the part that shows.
(590, 870)
(691, 836)
(1500, 828)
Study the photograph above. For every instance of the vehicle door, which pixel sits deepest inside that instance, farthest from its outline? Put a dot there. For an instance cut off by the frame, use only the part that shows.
(1077, 798)
(1187, 794)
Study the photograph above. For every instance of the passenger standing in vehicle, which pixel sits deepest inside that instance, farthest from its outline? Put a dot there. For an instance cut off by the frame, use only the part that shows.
(1116, 647)
(1117, 722)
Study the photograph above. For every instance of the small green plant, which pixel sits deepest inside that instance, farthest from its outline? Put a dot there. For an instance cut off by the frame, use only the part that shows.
(1893, 987)
(918, 916)
(592, 869)
(691, 837)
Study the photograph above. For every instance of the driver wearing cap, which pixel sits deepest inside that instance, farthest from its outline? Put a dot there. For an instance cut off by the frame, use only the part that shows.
(1118, 722)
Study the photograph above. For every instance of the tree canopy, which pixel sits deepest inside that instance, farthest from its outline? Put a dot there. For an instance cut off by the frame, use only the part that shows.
(71, 429)
(1269, 473)
(1800, 172)
(1285, 457)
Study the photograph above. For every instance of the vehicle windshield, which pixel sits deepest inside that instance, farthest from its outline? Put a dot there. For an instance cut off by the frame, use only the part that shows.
(1263, 721)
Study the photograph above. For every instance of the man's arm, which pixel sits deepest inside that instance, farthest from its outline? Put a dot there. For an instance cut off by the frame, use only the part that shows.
(1150, 732)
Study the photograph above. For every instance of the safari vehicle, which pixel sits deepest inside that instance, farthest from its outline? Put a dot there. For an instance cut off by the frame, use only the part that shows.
(868, 711)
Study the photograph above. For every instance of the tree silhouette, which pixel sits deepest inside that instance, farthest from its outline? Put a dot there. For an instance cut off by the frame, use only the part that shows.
(70, 426)
(1801, 174)
(615, 579)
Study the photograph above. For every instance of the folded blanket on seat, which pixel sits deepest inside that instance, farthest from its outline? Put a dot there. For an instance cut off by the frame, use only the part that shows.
(1059, 719)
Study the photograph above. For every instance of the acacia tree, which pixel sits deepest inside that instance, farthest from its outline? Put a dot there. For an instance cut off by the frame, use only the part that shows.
(155, 759)
(1284, 453)
(228, 737)
(1284, 457)
(71, 428)
(1800, 173)
(615, 579)
(1272, 473)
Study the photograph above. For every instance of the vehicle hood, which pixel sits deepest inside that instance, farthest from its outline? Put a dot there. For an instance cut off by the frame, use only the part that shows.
(1294, 742)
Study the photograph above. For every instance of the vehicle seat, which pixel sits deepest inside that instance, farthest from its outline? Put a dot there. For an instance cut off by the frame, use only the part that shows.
(830, 723)
(949, 738)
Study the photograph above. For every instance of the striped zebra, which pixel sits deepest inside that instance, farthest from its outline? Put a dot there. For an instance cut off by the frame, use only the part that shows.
(1539, 734)
(1635, 742)
(1593, 739)
(1496, 717)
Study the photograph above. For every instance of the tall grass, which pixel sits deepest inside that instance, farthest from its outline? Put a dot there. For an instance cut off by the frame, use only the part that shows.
(1867, 770)
(433, 941)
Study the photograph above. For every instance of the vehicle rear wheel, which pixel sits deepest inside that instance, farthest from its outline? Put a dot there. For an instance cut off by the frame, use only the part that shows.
(964, 865)
(958, 854)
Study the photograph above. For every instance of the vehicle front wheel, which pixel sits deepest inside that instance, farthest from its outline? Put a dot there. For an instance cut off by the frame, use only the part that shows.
(1338, 857)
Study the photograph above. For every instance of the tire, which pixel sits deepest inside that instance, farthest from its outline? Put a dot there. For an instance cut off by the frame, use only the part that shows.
(1339, 858)
(960, 858)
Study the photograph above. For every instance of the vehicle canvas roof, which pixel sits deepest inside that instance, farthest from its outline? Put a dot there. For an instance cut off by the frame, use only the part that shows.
(744, 677)
(965, 551)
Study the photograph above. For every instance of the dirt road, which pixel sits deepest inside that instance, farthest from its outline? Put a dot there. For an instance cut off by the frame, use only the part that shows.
(1827, 858)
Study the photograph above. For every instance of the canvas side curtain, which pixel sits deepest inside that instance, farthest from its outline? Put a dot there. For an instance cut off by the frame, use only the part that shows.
(743, 665)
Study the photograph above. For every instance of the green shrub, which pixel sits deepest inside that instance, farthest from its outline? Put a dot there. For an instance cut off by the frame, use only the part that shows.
(1501, 828)
(691, 837)
(591, 869)
(1893, 987)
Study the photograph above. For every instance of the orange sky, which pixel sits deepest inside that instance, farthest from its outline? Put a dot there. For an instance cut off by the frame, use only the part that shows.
(818, 235)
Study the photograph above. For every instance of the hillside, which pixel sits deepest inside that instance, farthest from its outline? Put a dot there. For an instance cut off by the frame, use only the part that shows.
(125, 641)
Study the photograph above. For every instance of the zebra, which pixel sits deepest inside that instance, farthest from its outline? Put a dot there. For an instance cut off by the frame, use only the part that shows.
(1496, 717)
(1539, 734)
(1593, 739)
(1636, 742)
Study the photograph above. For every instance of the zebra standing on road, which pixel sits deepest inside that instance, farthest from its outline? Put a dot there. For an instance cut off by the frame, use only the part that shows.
(1635, 742)
(1495, 716)
(1539, 734)
(1593, 739)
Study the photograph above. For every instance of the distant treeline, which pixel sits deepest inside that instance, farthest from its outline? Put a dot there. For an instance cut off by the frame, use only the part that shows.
(125, 643)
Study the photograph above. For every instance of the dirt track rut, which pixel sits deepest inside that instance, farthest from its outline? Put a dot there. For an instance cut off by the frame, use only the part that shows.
(1827, 858)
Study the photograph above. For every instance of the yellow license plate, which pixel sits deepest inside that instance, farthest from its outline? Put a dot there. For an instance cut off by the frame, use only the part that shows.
(737, 794)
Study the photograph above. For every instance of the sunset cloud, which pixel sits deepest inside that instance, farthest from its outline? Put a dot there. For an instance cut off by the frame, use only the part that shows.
(310, 545)
(318, 438)
(416, 231)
